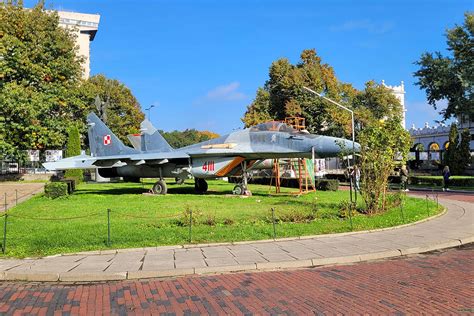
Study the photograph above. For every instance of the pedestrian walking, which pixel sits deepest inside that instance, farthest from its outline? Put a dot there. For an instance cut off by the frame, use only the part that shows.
(446, 175)
(404, 178)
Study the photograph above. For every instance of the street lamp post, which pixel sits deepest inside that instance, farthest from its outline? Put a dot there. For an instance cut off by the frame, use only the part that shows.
(353, 131)
(149, 110)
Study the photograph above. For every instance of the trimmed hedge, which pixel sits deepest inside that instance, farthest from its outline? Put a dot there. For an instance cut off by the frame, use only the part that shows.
(438, 181)
(74, 149)
(55, 189)
(327, 184)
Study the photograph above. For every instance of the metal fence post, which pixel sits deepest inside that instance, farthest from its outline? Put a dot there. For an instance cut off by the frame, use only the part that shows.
(4, 245)
(108, 227)
(190, 226)
(5, 202)
(273, 221)
(16, 197)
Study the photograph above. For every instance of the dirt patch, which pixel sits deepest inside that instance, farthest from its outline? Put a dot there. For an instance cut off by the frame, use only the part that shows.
(17, 193)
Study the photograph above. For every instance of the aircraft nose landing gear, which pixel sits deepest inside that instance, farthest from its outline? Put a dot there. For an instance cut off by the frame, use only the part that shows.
(160, 187)
(241, 188)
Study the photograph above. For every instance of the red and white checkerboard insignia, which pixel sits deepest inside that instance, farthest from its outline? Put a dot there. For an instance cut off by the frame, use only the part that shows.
(107, 140)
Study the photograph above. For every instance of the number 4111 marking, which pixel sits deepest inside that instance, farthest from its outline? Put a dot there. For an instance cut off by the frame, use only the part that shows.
(208, 166)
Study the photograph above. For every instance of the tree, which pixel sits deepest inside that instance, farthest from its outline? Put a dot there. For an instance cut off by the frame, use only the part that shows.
(39, 74)
(451, 78)
(188, 137)
(451, 158)
(73, 149)
(464, 149)
(458, 155)
(283, 96)
(382, 142)
(376, 102)
(258, 110)
(123, 111)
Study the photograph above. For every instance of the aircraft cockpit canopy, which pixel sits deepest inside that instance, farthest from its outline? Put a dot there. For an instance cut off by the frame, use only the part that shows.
(273, 126)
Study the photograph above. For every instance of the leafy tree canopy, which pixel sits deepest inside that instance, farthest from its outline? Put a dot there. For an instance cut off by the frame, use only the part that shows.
(375, 102)
(41, 87)
(123, 111)
(178, 139)
(451, 77)
(39, 73)
(283, 96)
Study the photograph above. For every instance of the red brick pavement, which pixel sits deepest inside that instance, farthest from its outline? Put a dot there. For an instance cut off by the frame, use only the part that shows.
(436, 283)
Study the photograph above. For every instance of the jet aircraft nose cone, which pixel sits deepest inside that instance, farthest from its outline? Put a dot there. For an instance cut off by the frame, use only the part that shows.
(327, 146)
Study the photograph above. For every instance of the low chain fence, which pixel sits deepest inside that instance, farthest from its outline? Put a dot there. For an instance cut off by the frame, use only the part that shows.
(188, 220)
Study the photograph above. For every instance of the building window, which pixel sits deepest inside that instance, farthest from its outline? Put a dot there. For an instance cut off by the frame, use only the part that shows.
(434, 147)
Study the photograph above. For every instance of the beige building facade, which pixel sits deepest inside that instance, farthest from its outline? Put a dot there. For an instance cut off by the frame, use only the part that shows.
(86, 26)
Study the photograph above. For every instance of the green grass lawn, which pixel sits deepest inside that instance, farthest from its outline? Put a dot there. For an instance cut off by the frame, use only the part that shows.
(139, 220)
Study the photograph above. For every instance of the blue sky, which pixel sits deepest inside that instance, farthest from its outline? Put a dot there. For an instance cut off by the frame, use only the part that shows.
(200, 62)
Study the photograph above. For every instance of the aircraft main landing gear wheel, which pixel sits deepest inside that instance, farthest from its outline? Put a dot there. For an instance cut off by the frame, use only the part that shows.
(159, 187)
(200, 185)
(241, 189)
(238, 189)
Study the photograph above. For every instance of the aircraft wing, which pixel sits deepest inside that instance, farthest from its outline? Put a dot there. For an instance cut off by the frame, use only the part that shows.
(88, 162)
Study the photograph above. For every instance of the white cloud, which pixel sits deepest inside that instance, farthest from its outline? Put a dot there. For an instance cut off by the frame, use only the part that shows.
(228, 92)
(364, 25)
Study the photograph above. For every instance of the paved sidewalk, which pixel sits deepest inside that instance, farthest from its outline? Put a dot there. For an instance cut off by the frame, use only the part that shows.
(454, 228)
(17, 193)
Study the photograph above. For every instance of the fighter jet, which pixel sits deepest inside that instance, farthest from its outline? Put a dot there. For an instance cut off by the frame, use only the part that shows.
(229, 155)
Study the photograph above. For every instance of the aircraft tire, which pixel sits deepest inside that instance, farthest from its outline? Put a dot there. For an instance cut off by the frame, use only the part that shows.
(238, 190)
(160, 187)
(200, 185)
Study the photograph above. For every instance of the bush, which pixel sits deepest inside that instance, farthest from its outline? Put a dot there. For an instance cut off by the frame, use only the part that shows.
(183, 220)
(327, 184)
(438, 181)
(344, 209)
(210, 220)
(228, 221)
(55, 189)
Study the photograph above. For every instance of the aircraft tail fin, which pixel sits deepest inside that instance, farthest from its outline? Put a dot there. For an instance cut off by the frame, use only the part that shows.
(152, 139)
(102, 141)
